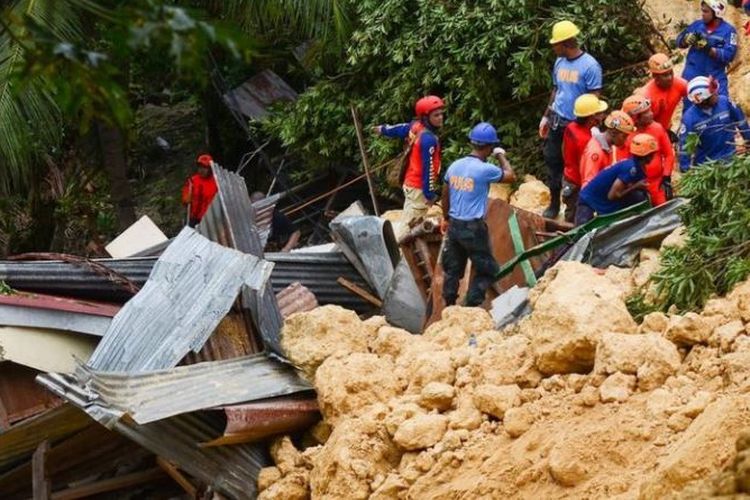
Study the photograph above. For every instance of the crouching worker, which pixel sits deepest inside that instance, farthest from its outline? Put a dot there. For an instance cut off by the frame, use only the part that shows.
(464, 210)
(621, 185)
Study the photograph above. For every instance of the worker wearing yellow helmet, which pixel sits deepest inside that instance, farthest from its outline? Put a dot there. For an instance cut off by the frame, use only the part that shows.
(575, 73)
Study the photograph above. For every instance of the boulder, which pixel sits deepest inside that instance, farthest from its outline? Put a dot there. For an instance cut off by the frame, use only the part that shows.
(617, 388)
(421, 431)
(687, 330)
(652, 357)
(437, 396)
(495, 400)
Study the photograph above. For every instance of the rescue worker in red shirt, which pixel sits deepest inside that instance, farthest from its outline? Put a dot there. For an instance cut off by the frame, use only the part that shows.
(199, 190)
(601, 150)
(421, 177)
(588, 110)
(659, 169)
(664, 90)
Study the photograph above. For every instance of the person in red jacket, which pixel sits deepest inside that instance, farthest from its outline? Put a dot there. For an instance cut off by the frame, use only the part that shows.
(421, 180)
(659, 169)
(588, 110)
(601, 150)
(199, 190)
(664, 90)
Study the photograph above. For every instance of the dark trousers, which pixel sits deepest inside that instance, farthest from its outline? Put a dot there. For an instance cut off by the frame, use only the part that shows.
(468, 240)
(570, 194)
(553, 154)
(585, 213)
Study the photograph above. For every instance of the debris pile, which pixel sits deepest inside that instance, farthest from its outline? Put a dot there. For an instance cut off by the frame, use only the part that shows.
(576, 400)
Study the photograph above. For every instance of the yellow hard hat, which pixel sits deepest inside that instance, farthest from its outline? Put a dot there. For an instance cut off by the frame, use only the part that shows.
(587, 105)
(643, 145)
(564, 30)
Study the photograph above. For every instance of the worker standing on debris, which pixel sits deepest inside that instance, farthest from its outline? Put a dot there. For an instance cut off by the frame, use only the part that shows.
(283, 237)
(600, 152)
(659, 171)
(712, 44)
(419, 175)
(664, 90)
(621, 185)
(464, 209)
(199, 190)
(588, 110)
(708, 128)
(575, 73)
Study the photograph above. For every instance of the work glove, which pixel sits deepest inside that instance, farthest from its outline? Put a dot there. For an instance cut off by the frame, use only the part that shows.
(666, 184)
(544, 127)
(701, 43)
(690, 39)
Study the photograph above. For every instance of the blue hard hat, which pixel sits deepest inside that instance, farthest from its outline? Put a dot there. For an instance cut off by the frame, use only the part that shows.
(484, 134)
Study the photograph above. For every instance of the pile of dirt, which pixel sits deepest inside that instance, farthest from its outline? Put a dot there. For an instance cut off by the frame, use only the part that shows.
(533, 195)
(576, 401)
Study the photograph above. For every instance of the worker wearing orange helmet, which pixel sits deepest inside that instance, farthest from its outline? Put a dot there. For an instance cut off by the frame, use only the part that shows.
(420, 175)
(664, 90)
(659, 171)
(199, 190)
(589, 110)
(620, 185)
(600, 151)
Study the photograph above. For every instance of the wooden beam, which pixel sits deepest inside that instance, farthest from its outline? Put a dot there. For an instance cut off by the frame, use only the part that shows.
(40, 483)
(112, 484)
(365, 161)
(359, 291)
(177, 476)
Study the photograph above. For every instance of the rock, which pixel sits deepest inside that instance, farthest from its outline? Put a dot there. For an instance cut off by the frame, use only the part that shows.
(675, 239)
(457, 324)
(687, 330)
(358, 450)
(285, 455)
(437, 396)
(421, 431)
(500, 192)
(293, 486)
(650, 356)
(725, 335)
(696, 405)
(660, 403)
(655, 322)
(533, 195)
(495, 400)
(402, 410)
(678, 422)
(466, 416)
(267, 476)
(390, 488)
(508, 362)
(517, 421)
(573, 307)
(590, 395)
(741, 295)
(321, 432)
(565, 466)
(426, 367)
(617, 387)
(650, 262)
(346, 384)
(390, 341)
(308, 338)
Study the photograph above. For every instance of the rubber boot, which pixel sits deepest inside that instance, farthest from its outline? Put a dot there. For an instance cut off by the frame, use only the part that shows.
(554, 207)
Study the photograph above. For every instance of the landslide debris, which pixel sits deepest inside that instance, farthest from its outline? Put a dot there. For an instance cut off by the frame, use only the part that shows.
(576, 401)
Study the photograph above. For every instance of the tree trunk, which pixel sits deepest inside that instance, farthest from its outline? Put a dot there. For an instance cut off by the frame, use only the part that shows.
(114, 157)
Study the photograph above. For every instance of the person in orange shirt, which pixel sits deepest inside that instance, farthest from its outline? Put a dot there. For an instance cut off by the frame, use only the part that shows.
(659, 169)
(589, 110)
(600, 150)
(664, 90)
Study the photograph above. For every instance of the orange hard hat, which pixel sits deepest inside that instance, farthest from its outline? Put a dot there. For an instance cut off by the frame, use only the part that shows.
(643, 144)
(660, 63)
(204, 160)
(636, 104)
(621, 121)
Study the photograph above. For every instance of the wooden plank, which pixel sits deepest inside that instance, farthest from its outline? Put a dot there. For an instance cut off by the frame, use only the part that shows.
(113, 484)
(359, 291)
(177, 476)
(365, 161)
(40, 483)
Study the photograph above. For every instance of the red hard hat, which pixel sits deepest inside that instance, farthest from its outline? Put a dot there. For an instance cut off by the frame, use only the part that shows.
(428, 104)
(205, 160)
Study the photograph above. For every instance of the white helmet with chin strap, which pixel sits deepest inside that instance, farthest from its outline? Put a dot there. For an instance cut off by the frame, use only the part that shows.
(718, 6)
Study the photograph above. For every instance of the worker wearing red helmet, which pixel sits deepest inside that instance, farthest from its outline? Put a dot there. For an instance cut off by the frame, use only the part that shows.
(420, 177)
(199, 190)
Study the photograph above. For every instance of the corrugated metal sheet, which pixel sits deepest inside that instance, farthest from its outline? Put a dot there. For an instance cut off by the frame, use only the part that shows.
(253, 97)
(20, 396)
(191, 288)
(295, 298)
(264, 216)
(46, 311)
(231, 339)
(22, 439)
(161, 394)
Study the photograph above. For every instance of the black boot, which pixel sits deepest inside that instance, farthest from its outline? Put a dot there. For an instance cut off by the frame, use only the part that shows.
(554, 207)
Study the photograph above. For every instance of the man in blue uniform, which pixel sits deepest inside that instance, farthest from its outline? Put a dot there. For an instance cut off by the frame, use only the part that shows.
(464, 209)
(575, 73)
(714, 119)
(621, 185)
(712, 43)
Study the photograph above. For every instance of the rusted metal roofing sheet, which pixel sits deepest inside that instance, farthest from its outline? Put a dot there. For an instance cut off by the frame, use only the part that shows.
(296, 298)
(264, 216)
(47, 311)
(253, 97)
(157, 395)
(192, 287)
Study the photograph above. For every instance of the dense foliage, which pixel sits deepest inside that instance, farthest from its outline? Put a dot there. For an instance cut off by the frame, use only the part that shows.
(490, 59)
(717, 254)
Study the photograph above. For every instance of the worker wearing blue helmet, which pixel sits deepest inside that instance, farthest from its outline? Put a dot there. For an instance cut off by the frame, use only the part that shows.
(464, 209)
